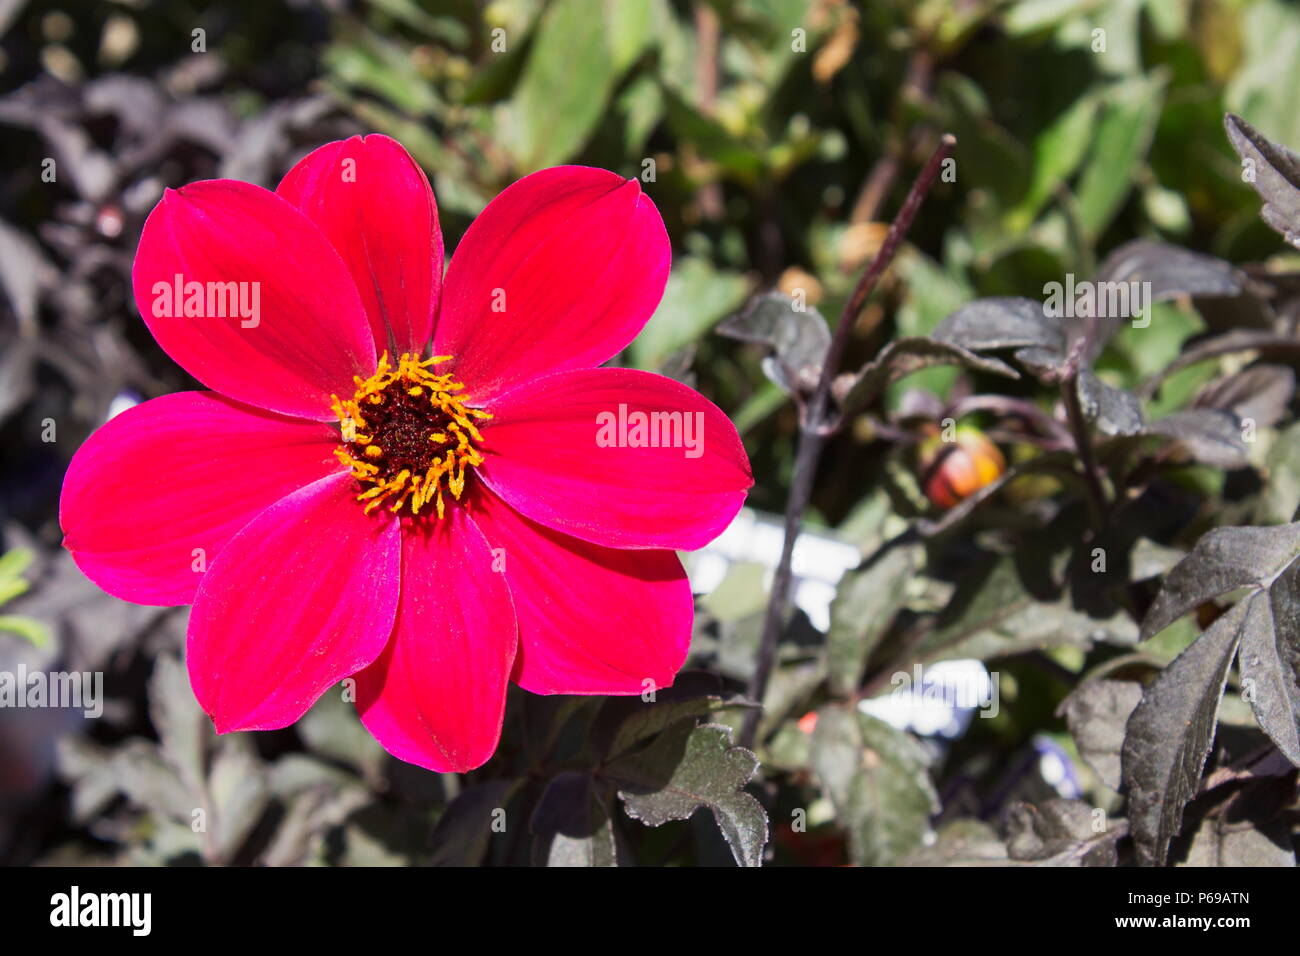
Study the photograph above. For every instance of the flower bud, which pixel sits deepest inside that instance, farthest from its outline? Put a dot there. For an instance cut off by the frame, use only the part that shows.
(953, 470)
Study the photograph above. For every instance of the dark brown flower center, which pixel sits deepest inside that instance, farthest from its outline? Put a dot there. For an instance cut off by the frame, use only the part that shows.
(408, 435)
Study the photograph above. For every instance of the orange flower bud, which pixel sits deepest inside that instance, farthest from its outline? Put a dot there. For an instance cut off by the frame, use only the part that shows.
(953, 470)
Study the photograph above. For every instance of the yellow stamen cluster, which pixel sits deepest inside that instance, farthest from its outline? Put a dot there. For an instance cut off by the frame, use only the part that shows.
(408, 433)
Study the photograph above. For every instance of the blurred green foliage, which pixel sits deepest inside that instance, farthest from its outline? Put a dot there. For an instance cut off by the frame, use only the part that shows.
(778, 135)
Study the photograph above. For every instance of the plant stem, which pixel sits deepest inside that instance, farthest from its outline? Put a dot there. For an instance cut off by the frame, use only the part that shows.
(813, 432)
(1006, 406)
(1083, 445)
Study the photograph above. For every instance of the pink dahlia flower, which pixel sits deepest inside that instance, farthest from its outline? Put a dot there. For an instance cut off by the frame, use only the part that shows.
(422, 481)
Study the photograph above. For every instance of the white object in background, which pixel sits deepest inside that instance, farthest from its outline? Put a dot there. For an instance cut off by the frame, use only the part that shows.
(121, 402)
(947, 695)
(938, 701)
(820, 560)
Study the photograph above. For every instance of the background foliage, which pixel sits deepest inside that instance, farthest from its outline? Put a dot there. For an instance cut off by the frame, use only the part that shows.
(781, 136)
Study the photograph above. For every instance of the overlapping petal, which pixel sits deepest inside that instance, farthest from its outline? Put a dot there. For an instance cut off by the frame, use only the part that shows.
(280, 322)
(592, 620)
(375, 206)
(560, 271)
(154, 495)
(304, 596)
(568, 452)
(436, 696)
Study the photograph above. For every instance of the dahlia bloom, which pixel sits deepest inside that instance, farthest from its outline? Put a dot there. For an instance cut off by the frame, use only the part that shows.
(422, 481)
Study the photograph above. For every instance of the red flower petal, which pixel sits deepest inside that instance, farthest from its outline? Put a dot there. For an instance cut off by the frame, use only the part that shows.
(545, 457)
(592, 620)
(436, 696)
(302, 597)
(176, 474)
(560, 271)
(374, 204)
(308, 334)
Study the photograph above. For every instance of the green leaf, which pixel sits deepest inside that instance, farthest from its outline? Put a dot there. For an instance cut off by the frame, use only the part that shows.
(13, 563)
(713, 140)
(642, 107)
(26, 627)
(12, 583)
(688, 767)
(375, 64)
(444, 28)
(631, 26)
(697, 297)
(986, 153)
(1124, 132)
(933, 292)
(1032, 16)
(568, 78)
(1267, 86)
(866, 603)
(1058, 151)
(877, 779)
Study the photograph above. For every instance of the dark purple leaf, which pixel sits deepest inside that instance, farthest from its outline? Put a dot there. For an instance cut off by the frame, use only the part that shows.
(1212, 436)
(1171, 271)
(988, 325)
(1270, 663)
(572, 824)
(1223, 560)
(1059, 833)
(903, 357)
(878, 781)
(1097, 713)
(1114, 411)
(689, 766)
(796, 339)
(1275, 172)
(465, 829)
(1261, 393)
(1169, 734)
